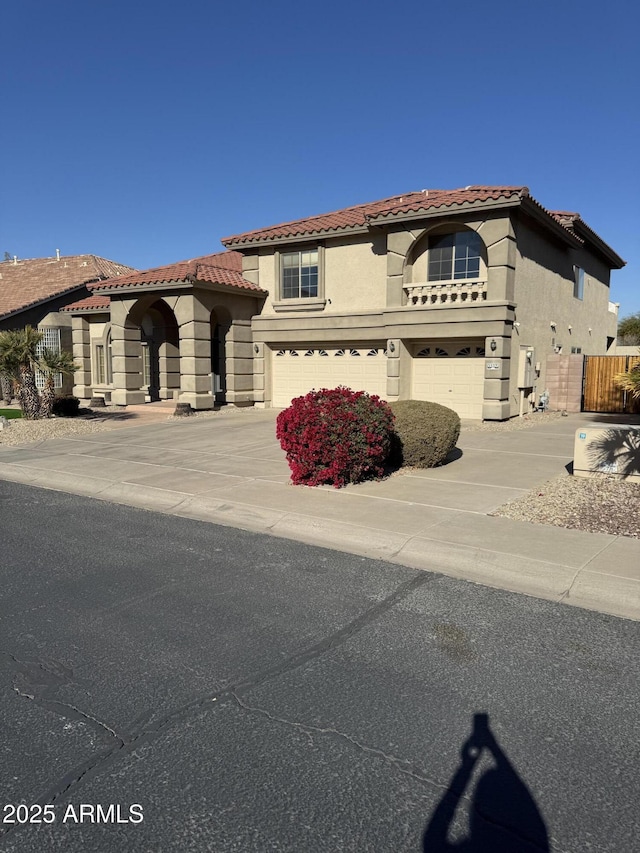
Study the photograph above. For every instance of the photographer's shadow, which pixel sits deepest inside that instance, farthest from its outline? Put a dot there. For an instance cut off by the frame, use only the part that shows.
(503, 816)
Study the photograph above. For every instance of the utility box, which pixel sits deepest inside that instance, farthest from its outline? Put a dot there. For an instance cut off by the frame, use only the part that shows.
(608, 449)
(527, 367)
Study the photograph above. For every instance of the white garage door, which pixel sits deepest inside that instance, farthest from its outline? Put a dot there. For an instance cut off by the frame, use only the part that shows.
(452, 374)
(298, 371)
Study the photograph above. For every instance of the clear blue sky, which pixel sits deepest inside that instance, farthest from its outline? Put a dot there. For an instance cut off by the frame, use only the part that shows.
(146, 131)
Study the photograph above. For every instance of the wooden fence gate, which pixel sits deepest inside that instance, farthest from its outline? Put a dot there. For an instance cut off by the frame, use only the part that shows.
(600, 394)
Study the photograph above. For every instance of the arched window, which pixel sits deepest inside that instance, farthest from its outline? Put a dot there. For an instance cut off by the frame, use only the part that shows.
(454, 256)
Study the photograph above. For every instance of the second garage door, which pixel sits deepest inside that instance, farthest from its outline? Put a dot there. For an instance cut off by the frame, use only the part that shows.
(452, 374)
(295, 372)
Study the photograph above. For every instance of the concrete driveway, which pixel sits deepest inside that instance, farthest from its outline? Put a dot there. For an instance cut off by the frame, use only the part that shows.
(228, 468)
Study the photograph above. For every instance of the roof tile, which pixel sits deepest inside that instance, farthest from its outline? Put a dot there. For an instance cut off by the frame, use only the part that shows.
(220, 268)
(29, 282)
(90, 303)
(360, 215)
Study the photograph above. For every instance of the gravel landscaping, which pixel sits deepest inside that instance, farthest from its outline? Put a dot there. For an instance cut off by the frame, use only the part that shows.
(525, 422)
(597, 504)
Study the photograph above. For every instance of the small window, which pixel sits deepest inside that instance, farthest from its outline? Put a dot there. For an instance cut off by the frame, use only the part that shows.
(354, 352)
(299, 271)
(101, 365)
(146, 364)
(441, 353)
(424, 353)
(464, 351)
(339, 352)
(578, 283)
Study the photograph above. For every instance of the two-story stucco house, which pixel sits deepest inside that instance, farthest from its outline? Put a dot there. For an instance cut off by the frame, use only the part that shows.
(453, 296)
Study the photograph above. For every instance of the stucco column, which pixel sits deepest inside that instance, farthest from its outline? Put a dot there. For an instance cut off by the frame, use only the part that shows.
(169, 362)
(126, 356)
(194, 324)
(82, 387)
(239, 358)
(259, 376)
(497, 370)
(393, 369)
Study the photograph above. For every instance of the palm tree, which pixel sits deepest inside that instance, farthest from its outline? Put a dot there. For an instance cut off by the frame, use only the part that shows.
(630, 381)
(6, 387)
(51, 363)
(18, 358)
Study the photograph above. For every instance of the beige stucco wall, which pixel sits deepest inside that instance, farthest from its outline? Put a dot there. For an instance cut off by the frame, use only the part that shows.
(544, 293)
(353, 269)
(96, 329)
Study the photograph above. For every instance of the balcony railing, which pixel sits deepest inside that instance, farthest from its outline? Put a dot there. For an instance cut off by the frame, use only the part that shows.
(445, 293)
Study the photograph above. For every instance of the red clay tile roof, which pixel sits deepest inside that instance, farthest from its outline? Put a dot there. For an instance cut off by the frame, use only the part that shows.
(90, 303)
(220, 268)
(363, 214)
(24, 283)
(578, 227)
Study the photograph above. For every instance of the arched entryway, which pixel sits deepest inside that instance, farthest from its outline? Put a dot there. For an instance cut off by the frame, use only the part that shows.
(159, 338)
(146, 350)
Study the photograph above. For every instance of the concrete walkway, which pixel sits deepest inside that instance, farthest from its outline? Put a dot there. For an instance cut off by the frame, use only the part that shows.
(229, 469)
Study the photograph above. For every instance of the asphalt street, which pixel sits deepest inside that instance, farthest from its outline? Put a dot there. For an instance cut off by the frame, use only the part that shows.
(173, 685)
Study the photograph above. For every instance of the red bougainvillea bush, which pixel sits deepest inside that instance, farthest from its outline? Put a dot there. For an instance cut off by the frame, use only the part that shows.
(335, 436)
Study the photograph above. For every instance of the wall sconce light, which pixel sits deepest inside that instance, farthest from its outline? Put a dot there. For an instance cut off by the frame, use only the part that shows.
(493, 346)
(392, 346)
(517, 325)
(590, 330)
(569, 328)
(256, 348)
(553, 324)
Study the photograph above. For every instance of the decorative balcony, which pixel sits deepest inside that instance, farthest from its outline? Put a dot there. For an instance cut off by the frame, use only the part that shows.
(448, 293)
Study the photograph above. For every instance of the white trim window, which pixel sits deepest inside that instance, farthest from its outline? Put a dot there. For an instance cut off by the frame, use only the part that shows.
(299, 274)
(50, 340)
(454, 256)
(578, 282)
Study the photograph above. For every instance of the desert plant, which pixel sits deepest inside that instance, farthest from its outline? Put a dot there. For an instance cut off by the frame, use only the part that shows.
(335, 436)
(6, 387)
(65, 406)
(18, 358)
(425, 433)
(51, 363)
(630, 381)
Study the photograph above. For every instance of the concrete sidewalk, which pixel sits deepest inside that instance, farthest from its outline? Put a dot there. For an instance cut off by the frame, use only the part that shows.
(229, 469)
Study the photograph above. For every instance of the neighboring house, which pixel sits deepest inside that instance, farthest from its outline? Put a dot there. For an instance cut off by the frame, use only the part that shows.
(454, 296)
(33, 291)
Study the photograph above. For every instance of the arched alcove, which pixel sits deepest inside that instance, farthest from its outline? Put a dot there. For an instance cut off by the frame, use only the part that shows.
(159, 347)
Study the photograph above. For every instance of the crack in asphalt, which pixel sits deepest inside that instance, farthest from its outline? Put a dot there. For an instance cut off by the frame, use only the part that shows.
(128, 743)
(400, 764)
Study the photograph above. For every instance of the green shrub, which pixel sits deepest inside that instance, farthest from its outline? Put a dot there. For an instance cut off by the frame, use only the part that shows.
(425, 433)
(65, 407)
